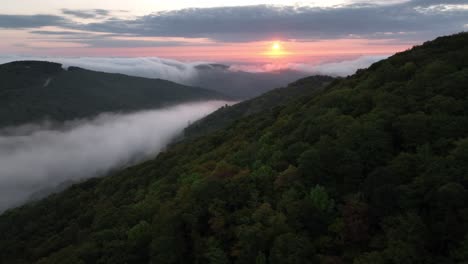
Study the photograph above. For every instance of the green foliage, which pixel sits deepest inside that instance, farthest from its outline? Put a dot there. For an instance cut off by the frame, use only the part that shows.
(320, 199)
(371, 169)
(214, 254)
(140, 234)
(227, 115)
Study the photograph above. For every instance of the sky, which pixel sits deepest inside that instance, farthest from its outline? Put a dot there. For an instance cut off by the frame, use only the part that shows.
(243, 31)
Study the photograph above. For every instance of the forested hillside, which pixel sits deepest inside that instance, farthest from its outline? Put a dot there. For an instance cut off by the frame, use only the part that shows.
(372, 169)
(277, 97)
(31, 91)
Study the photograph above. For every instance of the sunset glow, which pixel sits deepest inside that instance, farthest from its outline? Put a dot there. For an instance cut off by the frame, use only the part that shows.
(277, 51)
(229, 32)
(253, 52)
(276, 46)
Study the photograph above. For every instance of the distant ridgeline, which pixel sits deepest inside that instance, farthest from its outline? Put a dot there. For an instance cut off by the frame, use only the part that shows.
(371, 169)
(242, 84)
(31, 91)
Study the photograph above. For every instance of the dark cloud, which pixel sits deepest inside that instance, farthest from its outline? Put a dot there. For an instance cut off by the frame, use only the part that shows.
(411, 20)
(92, 13)
(106, 40)
(31, 21)
(436, 2)
(58, 33)
(248, 23)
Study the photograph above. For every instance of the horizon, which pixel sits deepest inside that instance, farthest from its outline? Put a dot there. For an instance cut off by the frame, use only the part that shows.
(249, 35)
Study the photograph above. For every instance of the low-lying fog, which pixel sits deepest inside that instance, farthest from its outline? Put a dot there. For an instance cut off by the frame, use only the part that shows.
(38, 157)
(238, 80)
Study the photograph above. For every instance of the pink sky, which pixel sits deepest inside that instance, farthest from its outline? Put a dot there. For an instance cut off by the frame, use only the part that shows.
(238, 31)
(251, 52)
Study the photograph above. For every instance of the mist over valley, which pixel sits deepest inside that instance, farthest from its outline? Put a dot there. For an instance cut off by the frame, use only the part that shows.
(37, 157)
(235, 80)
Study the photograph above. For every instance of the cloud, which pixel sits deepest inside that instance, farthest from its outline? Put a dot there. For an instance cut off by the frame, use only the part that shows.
(38, 157)
(241, 81)
(88, 13)
(120, 43)
(251, 23)
(342, 68)
(361, 19)
(59, 33)
(398, 21)
(203, 74)
(338, 68)
(149, 67)
(31, 21)
(106, 41)
(435, 2)
(110, 40)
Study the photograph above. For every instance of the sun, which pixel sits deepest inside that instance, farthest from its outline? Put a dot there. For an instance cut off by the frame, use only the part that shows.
(276, 50)
(276, 46)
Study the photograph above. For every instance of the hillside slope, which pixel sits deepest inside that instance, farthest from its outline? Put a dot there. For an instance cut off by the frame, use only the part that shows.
(373, 169)
(32, 91)
(225, 116)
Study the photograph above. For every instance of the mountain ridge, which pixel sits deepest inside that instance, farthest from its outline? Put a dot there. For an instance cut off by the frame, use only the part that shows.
(31, 91)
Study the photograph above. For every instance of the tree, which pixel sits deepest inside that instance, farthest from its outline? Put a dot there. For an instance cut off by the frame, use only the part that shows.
(320, 199)
(214, 254)
(291, 248)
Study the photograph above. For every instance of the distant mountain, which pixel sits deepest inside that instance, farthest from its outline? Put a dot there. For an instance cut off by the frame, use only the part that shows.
(371, 169)
(225, 116)
(241, 84)
(33, 90)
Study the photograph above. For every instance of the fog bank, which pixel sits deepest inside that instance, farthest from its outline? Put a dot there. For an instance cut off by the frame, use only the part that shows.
(40, 156)
(339, 68)
(237, 80)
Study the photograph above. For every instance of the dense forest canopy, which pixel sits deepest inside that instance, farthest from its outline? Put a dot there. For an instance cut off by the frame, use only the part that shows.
(372, 169)
(32, 91)
(225, 116)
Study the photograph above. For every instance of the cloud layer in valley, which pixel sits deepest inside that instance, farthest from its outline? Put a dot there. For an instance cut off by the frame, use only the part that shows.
(341, 68)
(40, 157)
(236, 80)
(337, 69)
